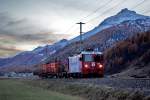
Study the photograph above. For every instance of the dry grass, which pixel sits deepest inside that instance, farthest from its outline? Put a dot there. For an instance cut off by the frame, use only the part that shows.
(88, 91)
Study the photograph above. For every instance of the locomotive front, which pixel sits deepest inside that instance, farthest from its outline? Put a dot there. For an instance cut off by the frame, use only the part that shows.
(92, 64)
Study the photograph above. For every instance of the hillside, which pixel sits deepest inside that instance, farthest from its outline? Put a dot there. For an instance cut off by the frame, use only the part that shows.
(123, 25)
(105, 39)
(130, 57)
(116, 28)
(123, 15)
(25, 61)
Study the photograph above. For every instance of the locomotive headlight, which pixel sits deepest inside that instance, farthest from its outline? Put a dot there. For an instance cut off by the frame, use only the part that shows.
(86, 66)
(100, 66)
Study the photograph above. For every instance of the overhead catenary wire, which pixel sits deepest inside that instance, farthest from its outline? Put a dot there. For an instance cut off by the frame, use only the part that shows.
(148, 11)
(69, 28)
(115, 7)
(96, 10)
(108, 10)
(138, 4)
(93, 12)
(101, 13)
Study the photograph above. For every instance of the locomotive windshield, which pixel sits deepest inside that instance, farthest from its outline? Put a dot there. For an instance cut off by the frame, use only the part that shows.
(98, 58)
(88, 57)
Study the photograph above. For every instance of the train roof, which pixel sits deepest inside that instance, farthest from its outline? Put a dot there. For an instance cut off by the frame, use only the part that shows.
(91, 52)
(87, 52)
(75, 56)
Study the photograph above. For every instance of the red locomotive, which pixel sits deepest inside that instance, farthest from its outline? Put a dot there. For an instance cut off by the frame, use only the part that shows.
(86, 64)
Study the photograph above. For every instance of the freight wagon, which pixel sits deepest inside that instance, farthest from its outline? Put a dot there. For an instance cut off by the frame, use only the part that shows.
(86, 64)
(53, 69)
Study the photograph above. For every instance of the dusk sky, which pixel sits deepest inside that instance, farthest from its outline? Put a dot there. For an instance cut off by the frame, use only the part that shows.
(26, 24)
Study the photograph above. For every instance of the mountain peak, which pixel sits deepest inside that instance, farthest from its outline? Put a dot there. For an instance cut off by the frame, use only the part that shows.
(126, 11)
(63, 40)
(124, 15)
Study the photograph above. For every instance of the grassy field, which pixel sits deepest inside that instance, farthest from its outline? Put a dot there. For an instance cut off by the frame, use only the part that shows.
(87, 91)
(59, 89)
(16, 90)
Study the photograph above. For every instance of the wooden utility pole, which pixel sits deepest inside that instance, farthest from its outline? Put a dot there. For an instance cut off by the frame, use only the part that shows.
(80, 23)
(46, 51)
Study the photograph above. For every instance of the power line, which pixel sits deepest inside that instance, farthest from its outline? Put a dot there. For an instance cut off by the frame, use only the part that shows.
(148, 11)
(69, 28)
(138, 4)
(97, 9)
(90, 14)
(113, 8)
(108, 10)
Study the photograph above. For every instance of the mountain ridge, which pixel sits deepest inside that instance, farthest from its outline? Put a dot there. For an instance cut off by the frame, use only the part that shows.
(123, 15)
(98, 38)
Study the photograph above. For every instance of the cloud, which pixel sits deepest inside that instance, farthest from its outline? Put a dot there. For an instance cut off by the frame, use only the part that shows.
(16, 22)
(9, 48)
(36, 22)
(23, 29)
(7, 51)
(29, 38)
(14, 33)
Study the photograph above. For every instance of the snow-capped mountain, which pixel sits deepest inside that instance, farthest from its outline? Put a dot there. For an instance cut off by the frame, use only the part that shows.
(108, 37)
(113, 29)
(34, 57)
(48, 49)
(123, 15)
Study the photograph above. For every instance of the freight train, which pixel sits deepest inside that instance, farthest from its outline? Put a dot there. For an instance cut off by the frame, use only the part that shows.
(85, 64)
